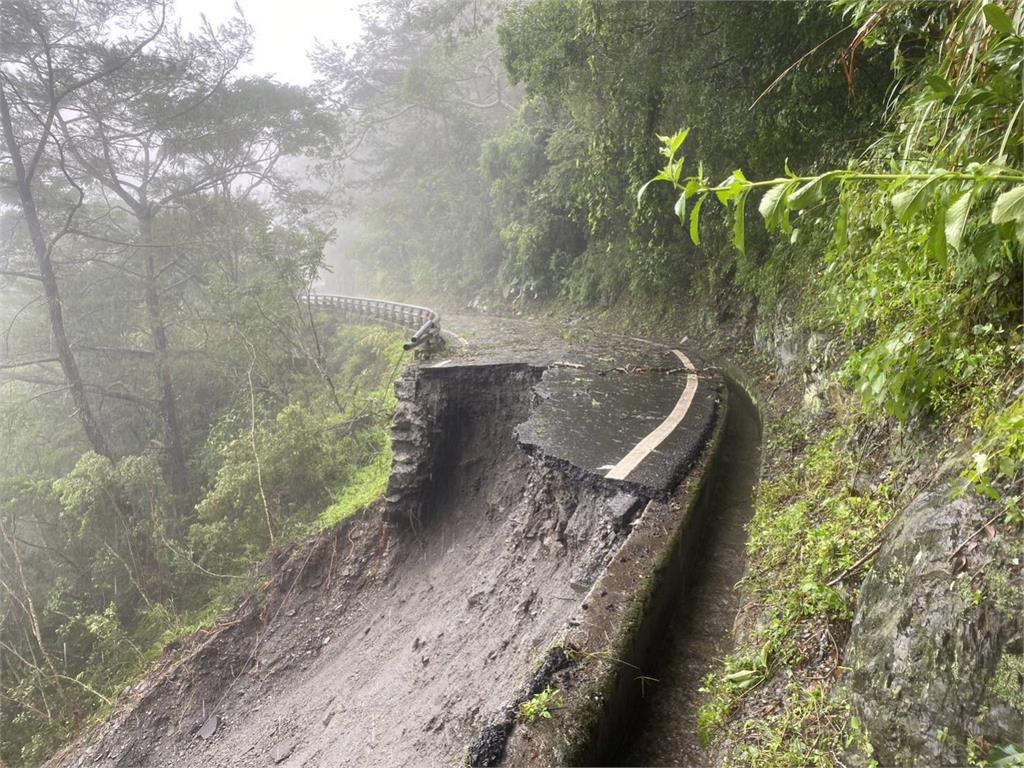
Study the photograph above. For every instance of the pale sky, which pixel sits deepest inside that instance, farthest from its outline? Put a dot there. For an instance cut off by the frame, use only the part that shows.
(283, 30)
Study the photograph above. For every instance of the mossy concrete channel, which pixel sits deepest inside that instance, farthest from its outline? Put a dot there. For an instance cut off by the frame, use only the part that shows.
(656, 620)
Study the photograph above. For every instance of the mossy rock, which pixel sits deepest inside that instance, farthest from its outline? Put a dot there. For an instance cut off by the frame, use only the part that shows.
(935, 639)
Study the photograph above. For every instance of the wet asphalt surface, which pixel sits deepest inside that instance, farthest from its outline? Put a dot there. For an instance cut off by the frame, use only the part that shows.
(600, 395)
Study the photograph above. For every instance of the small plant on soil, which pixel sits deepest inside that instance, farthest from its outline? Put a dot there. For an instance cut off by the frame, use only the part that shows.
(540, 706)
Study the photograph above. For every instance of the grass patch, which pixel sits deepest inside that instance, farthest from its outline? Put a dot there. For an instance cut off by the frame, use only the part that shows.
(367, 485)
(812, 529)
(808, 729)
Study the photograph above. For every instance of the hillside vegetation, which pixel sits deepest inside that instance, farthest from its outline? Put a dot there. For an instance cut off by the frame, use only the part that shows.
(171, 410)
(836, 205)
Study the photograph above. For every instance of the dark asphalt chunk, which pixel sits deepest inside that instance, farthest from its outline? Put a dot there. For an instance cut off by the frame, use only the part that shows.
(592, 417)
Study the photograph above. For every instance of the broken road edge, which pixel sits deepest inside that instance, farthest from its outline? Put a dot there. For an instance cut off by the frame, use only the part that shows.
(601, 662)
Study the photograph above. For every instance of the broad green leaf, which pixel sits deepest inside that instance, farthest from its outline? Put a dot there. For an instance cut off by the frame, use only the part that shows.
(998, 19)
(956, 218)
(811, 193)
(878, 382)
(728, 192)
(695, 219)
(841, 225)
(677, 139)
(680, 209)
(739, 223)
(937, 237)
(732, 187)
(912, 199)
(784, 223)
(940, 85)
(769, 205)
(1009, 206)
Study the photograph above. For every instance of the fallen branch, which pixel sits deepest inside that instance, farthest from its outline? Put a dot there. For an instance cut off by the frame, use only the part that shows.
(971, 538)
(853, 568)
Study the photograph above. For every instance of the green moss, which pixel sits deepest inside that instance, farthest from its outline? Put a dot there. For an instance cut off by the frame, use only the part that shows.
(1008, 681)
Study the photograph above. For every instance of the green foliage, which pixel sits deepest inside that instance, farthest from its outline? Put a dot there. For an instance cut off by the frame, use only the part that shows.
(809, 528)
(910, 193)
(616, 73)
(923, 274)
(1005, 756)
(541, 705)
(298, 462)
(998, 461)
(366, 486)
(309, 455)
(116, 573)
(800, 732)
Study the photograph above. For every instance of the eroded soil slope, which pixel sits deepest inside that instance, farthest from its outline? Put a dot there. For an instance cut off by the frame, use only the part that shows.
(395, 639)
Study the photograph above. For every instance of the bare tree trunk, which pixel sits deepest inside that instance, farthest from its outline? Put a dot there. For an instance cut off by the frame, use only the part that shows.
(177, 469)
(69, 366)
(28, 605)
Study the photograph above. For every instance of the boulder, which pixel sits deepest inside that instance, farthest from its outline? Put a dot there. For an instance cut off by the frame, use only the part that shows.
(936, 644)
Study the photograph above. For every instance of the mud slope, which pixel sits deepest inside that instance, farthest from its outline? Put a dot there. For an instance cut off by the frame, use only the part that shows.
(395, 639)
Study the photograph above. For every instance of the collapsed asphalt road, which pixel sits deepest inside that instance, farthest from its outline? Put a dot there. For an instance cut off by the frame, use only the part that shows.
(526, 465)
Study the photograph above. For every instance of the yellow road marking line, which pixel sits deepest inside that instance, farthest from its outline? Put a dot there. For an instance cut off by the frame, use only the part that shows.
(645, 447)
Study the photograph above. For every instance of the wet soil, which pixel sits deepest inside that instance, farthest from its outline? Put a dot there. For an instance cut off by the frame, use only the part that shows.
(700, 630)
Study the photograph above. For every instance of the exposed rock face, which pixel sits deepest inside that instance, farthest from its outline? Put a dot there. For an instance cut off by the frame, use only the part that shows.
(433, 406)
(936, 645)
(809, 354)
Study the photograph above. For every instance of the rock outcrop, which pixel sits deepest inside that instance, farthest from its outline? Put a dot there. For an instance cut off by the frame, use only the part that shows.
(936, 646)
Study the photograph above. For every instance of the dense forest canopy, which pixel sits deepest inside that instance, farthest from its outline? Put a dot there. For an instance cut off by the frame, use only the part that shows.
(169, 409)
(172, 409)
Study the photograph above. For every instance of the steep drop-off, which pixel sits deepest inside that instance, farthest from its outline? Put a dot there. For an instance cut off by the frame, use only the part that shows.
(398, 637)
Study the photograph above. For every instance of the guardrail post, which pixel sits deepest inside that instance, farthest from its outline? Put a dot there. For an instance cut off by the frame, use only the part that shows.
(426, 321)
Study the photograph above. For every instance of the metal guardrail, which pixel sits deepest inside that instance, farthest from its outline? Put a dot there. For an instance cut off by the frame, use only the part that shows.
(425, 321)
